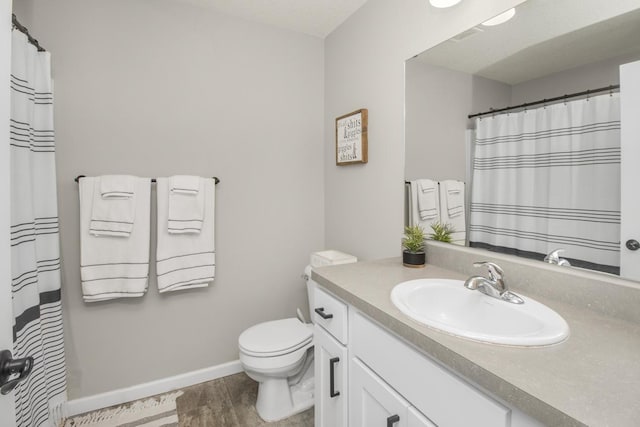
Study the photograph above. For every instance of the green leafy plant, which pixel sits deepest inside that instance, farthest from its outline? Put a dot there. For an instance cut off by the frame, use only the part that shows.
(413, 240)
(441, 232)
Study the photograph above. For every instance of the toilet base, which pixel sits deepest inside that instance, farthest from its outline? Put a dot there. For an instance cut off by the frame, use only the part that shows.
(278, 400)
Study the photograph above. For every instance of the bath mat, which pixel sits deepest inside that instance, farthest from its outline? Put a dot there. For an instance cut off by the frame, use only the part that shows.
(157, 411)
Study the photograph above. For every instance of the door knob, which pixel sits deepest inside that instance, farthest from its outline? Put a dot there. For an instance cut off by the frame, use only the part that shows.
(9, 367)
(632, 244)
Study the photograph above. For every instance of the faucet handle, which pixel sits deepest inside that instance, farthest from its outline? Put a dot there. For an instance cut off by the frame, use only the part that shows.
(554, 258)
(495, 271)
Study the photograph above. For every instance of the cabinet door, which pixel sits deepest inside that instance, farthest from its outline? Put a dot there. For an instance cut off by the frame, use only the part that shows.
(416, 419)
(372, 402)
(330, 380)
(435, 391)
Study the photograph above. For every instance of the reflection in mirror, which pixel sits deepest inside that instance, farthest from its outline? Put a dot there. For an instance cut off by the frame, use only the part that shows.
(539, 178)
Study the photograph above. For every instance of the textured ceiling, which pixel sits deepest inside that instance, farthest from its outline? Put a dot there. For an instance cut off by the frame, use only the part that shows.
(314, 17)
(546, 36)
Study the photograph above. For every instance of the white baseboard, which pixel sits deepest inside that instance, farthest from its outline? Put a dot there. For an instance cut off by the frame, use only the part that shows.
(140, 391)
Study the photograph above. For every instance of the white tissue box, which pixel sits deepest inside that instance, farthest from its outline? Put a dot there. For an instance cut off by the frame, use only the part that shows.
(331, 257)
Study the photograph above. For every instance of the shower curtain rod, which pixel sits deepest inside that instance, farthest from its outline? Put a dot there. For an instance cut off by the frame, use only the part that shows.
(610, 88)
(18, 26)
(77, 178)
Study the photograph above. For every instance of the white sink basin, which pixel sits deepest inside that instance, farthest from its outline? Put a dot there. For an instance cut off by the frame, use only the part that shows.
(450, 307)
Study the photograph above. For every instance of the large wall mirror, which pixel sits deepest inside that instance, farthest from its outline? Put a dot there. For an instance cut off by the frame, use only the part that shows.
(544, 176)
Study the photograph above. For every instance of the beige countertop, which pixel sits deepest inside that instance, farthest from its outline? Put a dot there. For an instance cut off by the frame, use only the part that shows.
(592, 378)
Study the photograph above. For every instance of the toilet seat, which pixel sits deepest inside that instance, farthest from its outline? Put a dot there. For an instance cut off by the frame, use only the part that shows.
(275, 338)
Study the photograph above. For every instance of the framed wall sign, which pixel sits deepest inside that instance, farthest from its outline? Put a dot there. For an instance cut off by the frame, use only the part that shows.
(351, 138)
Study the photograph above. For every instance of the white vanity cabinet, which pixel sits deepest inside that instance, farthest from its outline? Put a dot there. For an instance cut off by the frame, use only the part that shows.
(374, 403)
(416, 419)
(441, 396)
(366, 376)
(331, 360)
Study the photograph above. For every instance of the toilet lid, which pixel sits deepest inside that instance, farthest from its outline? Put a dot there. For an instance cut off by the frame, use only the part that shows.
(275, 337)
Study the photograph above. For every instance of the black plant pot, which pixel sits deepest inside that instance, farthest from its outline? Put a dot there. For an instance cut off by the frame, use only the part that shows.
(413, 259)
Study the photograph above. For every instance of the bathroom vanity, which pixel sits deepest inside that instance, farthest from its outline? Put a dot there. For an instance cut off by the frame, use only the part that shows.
(377, 366)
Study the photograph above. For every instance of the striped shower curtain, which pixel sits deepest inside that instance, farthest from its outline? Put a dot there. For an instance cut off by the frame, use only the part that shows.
(549, 178)
(35, 253)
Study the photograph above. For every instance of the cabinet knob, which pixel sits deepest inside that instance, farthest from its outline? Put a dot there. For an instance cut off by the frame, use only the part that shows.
(392, 420)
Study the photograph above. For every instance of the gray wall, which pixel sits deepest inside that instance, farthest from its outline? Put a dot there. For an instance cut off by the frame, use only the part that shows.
(364, 68)
(159, 87)
(434, 127)
(589, 76)
(437, 103)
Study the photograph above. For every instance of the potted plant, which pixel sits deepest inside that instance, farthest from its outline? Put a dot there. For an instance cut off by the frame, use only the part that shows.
(413, 245)
(441, 232)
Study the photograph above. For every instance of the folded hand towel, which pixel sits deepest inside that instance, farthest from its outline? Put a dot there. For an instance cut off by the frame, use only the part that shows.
(113, 205)
(118, 186)
(455, 202)
(452, 210)
(427, 199)
(112, 267)
(188, 184)
(185, 260)
(186, 204)
(415, 190)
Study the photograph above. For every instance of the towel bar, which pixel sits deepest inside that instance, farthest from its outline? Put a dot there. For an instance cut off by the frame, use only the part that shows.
(77, 178)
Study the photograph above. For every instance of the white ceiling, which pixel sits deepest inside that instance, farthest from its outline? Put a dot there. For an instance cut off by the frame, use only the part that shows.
(315, 17)
(546, 36)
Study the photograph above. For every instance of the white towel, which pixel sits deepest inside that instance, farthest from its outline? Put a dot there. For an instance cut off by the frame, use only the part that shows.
(117, 186)
(452, 209)
(185, 260)
(188, 184)
(415, 217)
(186, 204)
(113, 205)
(454, 198)
(427, 199)
(113, 267)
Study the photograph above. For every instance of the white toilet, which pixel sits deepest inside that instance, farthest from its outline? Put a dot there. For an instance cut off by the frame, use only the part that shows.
(279, 355)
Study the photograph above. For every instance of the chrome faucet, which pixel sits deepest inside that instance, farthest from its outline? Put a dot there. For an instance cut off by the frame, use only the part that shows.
(554, 258)
(494, 286)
